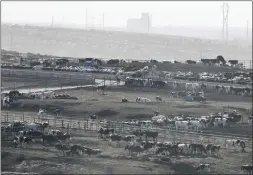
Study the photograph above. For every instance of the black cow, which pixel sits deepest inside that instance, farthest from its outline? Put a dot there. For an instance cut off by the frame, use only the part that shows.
(49, 138)
(147, 145)
(203, 87)
(194, 147)
(62, 148)
(105, 132)
(14, 94)
(90, 151)
(129, 138)
(116, 138)
(201, 167)
(75, 149)
(233, 62)
(63, 137)
(158, 98)
(93, 117)
(221, 59)
(124, 100)
(191, 62)
(133, 148)
(152, 134)
(101, 88)
(113, 61)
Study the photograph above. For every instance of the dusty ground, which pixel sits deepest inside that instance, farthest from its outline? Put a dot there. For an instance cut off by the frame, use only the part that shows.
(45, 159)
(114, 160)
(109, 106)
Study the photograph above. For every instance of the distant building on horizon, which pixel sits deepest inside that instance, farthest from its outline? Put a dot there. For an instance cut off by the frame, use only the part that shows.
(142, 24)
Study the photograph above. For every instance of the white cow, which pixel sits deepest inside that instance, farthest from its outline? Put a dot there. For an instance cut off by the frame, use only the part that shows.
(191, 86)
(32, 126)
(250, 120)
(177, 118)
(54, 132)
(5, 101)
(48, 94)
(175, 85)
(232, 143)
(182, 125)
(196, 125)
(223, 122)
(37, 95)
(41, 113)
(182, 147)
(142, 99)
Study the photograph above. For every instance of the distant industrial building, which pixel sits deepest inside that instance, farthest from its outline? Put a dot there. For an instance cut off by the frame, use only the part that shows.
(142, 24)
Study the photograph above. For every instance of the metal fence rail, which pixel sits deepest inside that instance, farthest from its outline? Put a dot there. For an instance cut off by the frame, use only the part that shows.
(84, 126)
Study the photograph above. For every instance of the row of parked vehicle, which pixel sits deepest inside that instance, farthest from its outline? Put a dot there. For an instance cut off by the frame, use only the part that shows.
(227, 77)
(64, 68)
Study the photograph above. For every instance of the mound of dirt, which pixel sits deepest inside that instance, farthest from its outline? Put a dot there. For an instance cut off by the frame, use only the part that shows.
(106, 113)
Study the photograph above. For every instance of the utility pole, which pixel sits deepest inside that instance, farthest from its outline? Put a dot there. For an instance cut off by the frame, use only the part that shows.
(247, 34)
(149, 22)
(103, 22)
(52, 24)
(11, 40)
(225, 9)
(86, 21)
(92, 22)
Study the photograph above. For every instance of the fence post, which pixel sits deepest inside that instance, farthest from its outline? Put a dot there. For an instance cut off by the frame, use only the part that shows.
(164, 134)
(68, 129)
(87, 121)
(54, 122)
(7, 117)
(23, 117)
(62, 124)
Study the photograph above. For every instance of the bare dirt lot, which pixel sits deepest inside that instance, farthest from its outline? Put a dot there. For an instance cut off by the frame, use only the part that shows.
(45, 159)
(113, 160)
(109, 106)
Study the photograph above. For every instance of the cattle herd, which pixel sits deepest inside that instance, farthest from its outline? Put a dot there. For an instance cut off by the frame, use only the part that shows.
(138, 142)
(182, 122)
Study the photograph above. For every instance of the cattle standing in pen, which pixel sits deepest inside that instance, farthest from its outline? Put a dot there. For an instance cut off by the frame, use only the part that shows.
(62, 148)
(105, 132)
(132, 148)
(114, 137)
(235, 143)
(142, 100)
(202, 167)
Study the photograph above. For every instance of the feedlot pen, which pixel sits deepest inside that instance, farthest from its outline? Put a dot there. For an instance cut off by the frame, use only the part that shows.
(81, 128)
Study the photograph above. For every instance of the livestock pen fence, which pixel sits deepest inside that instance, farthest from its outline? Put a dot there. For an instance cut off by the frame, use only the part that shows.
(82, 127)
(49, 78)
(46, 79)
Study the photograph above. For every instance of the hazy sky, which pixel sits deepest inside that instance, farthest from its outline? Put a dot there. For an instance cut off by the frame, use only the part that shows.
(206, 14)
